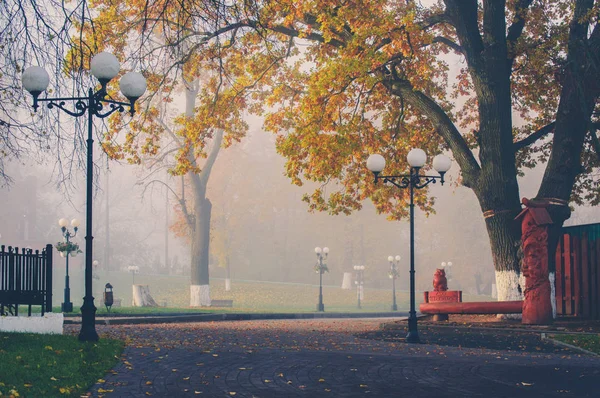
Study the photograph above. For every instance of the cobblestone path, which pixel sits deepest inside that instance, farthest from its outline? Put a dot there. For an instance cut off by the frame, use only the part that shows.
(324, 358)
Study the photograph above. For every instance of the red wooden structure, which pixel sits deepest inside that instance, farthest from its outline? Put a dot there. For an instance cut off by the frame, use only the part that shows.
(578, 272)
(486, 307)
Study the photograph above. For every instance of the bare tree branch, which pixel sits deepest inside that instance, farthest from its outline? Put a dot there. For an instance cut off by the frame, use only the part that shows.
(530, 139)
(449, 43)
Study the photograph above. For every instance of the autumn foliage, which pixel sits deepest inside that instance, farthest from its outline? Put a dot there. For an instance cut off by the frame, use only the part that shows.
(501, 85)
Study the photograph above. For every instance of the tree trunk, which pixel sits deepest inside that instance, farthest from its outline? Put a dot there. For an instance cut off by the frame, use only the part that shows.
(142, 297)
(577, 101)
(227, 274)
(505, 240)
(200, 289)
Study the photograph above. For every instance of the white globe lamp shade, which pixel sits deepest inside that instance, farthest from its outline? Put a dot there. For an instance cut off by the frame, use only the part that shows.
(133, 85)
(362, 267)
(390, 258)
(75, 223)
(398, 257)
(95, 263)
(104, 66)
(318, 250)
(443, 264)
(62, 254)
(326, 250)
(375, 163)
(35, 79)
(63, 222)
(416, 157)
(449, 263)
(442, 163)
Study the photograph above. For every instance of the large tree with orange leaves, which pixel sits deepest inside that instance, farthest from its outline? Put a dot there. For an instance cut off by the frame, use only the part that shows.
(337, 81)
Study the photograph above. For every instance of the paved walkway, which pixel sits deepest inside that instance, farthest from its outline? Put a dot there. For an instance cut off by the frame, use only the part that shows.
(324, 358)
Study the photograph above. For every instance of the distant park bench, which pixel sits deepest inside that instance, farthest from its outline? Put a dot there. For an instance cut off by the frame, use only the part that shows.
(221, 303)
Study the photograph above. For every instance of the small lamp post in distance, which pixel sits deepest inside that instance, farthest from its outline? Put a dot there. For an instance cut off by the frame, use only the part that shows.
(393, 275)
(67, 305)
(134, 269)
(321, 267)
(360, 269)
(447, 267)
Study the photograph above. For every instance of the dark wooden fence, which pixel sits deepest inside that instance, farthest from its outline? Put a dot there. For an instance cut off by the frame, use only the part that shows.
(25, 279)
(578, 272)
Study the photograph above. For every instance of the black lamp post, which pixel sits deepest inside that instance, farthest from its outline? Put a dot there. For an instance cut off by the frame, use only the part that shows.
(360, 269)
(393, 274)
(321, 267)
(104, 66)
(416, 159)
(67, 305)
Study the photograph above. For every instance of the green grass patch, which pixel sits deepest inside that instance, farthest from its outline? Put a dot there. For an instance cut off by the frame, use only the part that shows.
(42, 365)
(172, 293)
(586, 341)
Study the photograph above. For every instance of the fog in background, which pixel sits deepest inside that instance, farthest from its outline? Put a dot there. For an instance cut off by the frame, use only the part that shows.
(271, 235)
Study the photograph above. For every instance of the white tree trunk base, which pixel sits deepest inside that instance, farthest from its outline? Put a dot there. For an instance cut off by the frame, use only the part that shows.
(200, 296)
(142, 297)
(552, 278)
(507, 287)
(227, 285)
(347, 281)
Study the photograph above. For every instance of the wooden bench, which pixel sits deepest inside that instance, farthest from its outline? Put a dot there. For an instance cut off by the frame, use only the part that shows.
(221, 303)
(25, 279)
(116, 302)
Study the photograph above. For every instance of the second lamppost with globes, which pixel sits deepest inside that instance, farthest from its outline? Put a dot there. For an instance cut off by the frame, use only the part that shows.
(104, 67)
(414, 180)
(67, 249)
(320, 268)
(360, 269)
(393, 274)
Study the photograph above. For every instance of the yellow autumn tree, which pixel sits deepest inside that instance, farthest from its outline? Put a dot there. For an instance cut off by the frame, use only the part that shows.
(336, 81)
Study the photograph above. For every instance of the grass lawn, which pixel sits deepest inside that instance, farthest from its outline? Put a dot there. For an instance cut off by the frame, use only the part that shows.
(41, 365)
(586, 341)
(173, 292)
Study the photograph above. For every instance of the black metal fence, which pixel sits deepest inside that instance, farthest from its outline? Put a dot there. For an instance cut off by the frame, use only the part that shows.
(25, 279)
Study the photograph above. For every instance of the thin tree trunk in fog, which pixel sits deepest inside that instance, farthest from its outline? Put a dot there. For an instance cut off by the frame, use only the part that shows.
(348, 245)
(200, 244)
(167, 268)
(200, 288)
(227, 274)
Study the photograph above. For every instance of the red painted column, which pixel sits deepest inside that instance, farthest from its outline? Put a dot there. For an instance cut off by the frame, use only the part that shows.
(537, 308)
